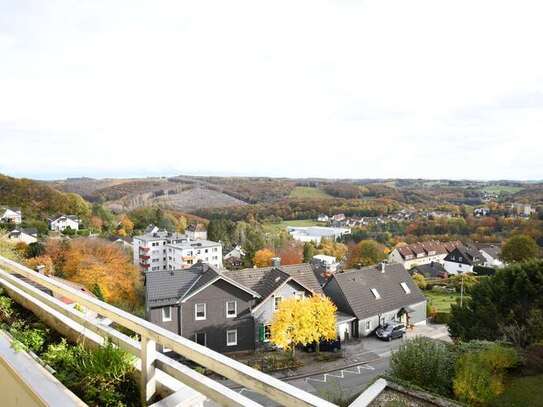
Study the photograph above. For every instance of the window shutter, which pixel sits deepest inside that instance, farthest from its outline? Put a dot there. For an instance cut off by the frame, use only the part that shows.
(261, 332)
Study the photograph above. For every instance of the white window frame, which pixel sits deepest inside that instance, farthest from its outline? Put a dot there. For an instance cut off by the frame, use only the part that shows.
(275, 305)
(164, 318)
(196, 317)
(375, 293)
(405, 287)
(235, 309)
(267, 337)
(229, 331)
(299, 295)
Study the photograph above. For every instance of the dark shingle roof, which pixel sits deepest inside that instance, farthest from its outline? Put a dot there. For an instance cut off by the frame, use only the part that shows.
(265, 280)
(356, 286)
(430, 270)
(167, 287)
(206, 275)
(492, 251)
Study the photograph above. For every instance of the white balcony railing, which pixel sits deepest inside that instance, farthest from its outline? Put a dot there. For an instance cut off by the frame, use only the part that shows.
(157, 371)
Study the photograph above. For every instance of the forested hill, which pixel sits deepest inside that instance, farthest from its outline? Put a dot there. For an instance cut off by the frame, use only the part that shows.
(39, 200)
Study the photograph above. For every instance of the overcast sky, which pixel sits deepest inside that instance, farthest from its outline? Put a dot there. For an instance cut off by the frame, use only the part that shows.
(352, 89)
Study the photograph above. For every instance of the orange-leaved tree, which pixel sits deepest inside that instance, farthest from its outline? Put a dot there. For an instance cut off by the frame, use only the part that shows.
(263, 258)
(291, 253)
(97, 262)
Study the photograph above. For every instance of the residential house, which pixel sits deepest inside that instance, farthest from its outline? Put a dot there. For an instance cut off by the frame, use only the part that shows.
(323, 218)
(124, 242)
(522, 209)
(196, 232)
(340, 217)
(204, 305)
(419, 253)
(491, 254)
(237, 252)
(274, 284)
(233, 260)
(11, 216)
(481, 212)
(228, 311)
(316, 233)
(329, 263)
(163, 250)
(462, 259)
(28, 235)
(62, 222)
(376, 295)
(430, 270)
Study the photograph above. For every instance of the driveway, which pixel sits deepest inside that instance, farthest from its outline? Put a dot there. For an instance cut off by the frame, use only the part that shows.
(373, 356)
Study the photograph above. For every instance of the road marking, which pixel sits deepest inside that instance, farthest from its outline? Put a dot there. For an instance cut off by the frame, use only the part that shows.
(340, 373)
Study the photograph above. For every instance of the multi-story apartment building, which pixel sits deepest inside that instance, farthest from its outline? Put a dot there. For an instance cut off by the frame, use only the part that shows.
(162, 250)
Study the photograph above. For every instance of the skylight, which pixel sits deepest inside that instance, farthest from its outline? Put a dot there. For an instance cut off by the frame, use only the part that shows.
(375, 293)
(405, 288)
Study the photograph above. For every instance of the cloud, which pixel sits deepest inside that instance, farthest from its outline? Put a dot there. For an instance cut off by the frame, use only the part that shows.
(307, 88)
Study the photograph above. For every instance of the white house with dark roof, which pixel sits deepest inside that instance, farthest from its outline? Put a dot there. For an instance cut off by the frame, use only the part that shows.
(419, 253)
(62, 222)
(375, 295)
(462, 260)
(11, 215)
(28, 235)
(491, 254)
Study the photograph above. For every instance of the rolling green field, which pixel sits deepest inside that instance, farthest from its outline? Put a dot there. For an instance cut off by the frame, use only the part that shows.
(522, 391)
(442, 301)
(282, 226)
(308, 193)
(496, 189)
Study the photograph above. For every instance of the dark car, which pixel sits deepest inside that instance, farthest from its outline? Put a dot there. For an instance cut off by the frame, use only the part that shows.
(325, 346)
(390, 330)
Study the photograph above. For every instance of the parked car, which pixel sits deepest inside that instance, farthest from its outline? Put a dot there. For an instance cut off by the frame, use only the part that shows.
(390, 330)
(325, 346)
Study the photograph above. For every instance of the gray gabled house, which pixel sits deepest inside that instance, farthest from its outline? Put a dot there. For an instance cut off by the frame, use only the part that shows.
(228, 311)
(376, 295)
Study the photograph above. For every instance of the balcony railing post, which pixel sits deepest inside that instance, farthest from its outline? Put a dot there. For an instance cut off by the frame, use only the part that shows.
(148, 378)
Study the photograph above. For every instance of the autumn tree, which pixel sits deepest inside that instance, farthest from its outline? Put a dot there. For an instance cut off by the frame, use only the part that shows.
(365, 253)
(324, 318)
(92, 262)
(125, 226)
(291, 253)
(332, 248)
(420, 280)
(309, 251)
(44, 261)
(519, 248)
(292, 324)
(263, 258)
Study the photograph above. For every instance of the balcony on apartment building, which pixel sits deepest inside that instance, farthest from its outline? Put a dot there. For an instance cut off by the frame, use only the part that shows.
(163, 380)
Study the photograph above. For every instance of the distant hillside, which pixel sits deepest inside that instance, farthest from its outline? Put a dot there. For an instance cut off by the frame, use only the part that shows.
(37, 199)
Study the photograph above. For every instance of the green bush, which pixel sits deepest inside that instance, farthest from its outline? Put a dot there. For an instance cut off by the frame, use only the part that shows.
(101, 377)
(480, 375)
(425, 363)
(442, 317)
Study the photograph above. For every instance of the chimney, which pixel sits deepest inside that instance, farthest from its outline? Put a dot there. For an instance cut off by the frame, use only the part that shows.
(382, 267)
(276, 261)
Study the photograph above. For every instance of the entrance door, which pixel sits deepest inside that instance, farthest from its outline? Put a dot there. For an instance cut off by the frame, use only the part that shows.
(354, 328)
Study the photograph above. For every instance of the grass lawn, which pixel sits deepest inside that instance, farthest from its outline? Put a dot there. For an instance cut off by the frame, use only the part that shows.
(308, 193)
(496, 189)
(442, 301)
(278, 227)
(522, 391)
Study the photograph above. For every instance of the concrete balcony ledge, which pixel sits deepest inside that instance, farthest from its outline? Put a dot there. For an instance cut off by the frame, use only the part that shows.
(24, 382)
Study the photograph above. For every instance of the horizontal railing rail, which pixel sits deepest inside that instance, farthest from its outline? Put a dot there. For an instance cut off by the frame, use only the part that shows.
(151, 335)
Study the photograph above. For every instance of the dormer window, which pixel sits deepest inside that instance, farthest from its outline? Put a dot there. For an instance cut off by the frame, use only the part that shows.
(405, 287)
(375, 293)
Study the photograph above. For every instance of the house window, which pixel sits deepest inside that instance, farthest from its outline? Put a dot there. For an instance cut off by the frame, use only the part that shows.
(232, 337)
(299, 296)
(368, 325)
(276, 302)
(199, 312)
(405, 288)
(375, 293)
(267, 333)
(200, 338)
(231, 309)
(166, 314)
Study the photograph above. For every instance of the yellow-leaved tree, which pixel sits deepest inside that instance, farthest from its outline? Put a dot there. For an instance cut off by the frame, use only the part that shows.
(292, 324)
(263, 258)
(302, 321)
(324, 318)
